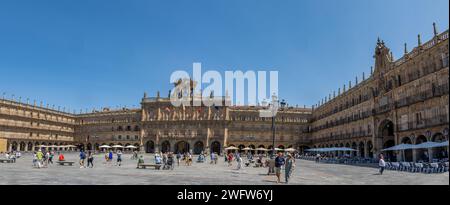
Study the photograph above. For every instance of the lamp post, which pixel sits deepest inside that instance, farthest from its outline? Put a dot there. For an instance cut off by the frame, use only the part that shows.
(271, 111)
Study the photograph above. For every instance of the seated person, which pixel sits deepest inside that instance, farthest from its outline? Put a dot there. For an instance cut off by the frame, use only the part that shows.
(200, 158)
(157, 159)
(140, 161)
(61, 157)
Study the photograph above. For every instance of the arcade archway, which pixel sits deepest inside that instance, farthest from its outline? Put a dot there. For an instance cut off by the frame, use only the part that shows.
(408, 156)
(215, 147)
(181, 147)
(198, 147)
(150, 147)
(165, 146)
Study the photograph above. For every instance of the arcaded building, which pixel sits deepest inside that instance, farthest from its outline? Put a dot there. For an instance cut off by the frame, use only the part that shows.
(402, 100)
(156, 126)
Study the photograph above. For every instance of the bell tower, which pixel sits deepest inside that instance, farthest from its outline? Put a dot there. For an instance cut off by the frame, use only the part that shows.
(382, 57)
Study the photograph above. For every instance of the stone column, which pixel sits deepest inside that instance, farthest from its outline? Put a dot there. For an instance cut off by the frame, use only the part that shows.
(430, 155)
(157, 145)
(366, 150)
(141, 143)
(208, 136)
(414, 153)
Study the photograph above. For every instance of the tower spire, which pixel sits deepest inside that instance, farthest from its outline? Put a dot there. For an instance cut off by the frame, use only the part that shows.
(435, 29)
(419, 41)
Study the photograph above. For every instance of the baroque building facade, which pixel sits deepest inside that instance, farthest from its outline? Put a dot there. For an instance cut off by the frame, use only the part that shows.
(402, 101)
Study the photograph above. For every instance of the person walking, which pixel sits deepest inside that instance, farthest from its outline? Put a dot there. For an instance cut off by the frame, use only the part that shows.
(13, 157)
(289, 167)
(381, 164)
(279, 162)
(39, 156)
(212, 156)
(35, 161)
(317, 158)
(110, 156)
(178, 158)
(230, 159)
(82, 159)
(119, 158)
(239, 161)
(189, 162)
(50, 157)
(90, 160)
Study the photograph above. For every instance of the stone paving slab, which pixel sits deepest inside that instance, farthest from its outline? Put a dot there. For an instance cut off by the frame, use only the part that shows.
(306, 173)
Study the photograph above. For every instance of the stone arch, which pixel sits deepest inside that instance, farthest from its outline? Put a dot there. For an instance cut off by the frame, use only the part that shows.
(386, 136)
(261, 151)
(253, 148)
(408, 156)
(14, 146)
(439, 152)
(421, 154)
(302, 148)
(182, 147)
(36, 146)
(165, 146)
(137, 145)
(81, 147)
(29, 146)
(150, 147)
(270, 149)
(389, 155)
(355, 147)
(89, 146)
(215, 147)
(22, 146)
(370, 149)
(241, 147)
(198, 147)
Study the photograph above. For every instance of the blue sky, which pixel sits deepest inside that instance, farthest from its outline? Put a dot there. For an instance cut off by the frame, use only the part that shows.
(85, 54)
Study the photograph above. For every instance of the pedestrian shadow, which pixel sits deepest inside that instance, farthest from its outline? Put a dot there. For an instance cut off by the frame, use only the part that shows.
(272, 181)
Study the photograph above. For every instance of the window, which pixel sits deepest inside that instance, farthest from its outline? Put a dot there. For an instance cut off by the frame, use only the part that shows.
(445, 60)
(136, 137)
(404, 122)
(119, 137)
(418, 118)
(128, 137)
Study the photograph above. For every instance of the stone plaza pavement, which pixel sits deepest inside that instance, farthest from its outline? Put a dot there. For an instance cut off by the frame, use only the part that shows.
(306, 173)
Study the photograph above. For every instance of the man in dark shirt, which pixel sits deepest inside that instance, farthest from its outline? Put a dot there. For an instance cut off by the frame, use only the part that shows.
(279, 161)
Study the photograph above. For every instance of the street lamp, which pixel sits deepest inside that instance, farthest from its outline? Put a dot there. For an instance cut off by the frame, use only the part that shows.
(271, 111)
